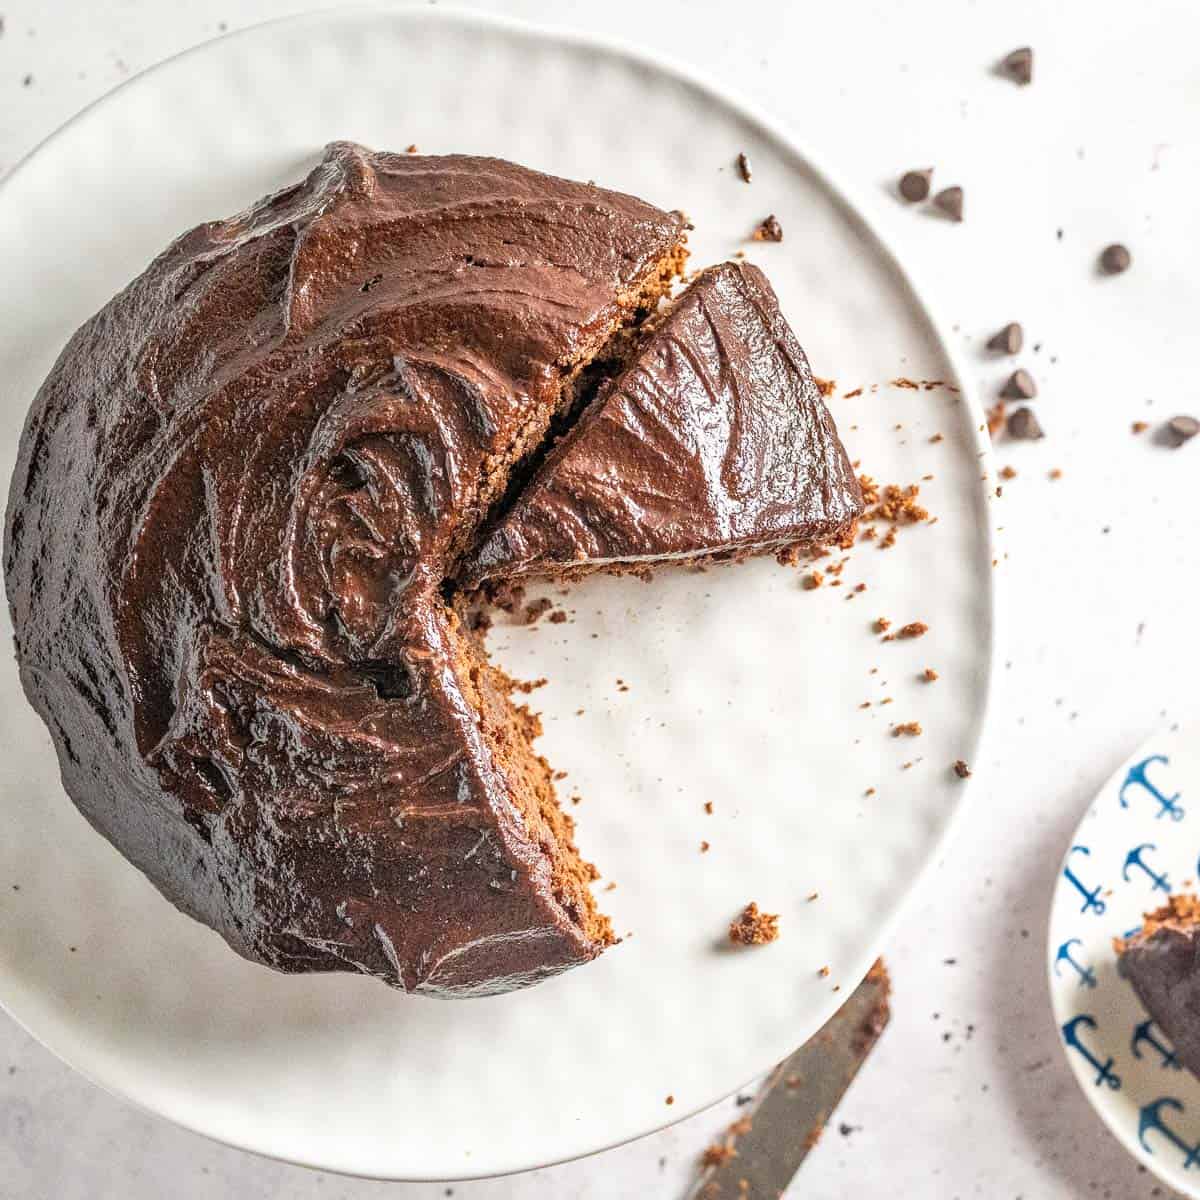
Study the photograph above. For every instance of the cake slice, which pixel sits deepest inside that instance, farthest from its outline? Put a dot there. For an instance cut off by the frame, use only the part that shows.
(1162, 963)
(711, 440)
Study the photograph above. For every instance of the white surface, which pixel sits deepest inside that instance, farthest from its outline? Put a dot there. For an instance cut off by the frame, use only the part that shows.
(1135, 846)
(738, 688)
(1103, 145)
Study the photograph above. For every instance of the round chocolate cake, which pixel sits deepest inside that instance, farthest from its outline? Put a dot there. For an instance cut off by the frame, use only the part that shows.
(251, 491)
(237, 499)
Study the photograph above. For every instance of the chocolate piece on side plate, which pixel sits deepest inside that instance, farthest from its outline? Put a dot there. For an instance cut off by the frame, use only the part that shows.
(1162, 964)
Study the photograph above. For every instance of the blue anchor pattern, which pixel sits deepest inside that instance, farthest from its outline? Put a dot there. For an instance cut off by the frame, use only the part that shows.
(1136, 777)
(1150, 1118)
(1087, 977)
(1104, 1071)
(1112, 1064)
(1158, 883)
(1090, 901)
(1143, 1034)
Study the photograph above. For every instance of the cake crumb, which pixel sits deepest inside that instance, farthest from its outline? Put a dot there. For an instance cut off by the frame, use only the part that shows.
(670, 1099)
(769, 231)
(1055, 472)
(850, 395)
(882, 625)
(708, 807)
(825, 386)
(812, 896)
(718, 1154)
(813, 580)
(929, 675)
(961, 769)
(743, 166)
(537, 610)
(527, 686)
(753, 927)
(914, 629)
(704, 847)
(937, 437)
(557, 617)
(1007, 472)
(411, 149)
(1140, 426)
(907, 729)
(823, 973)
(869, 792)
(995, 419)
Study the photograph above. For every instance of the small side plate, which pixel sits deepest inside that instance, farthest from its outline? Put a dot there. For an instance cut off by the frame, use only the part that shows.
(1137, 844)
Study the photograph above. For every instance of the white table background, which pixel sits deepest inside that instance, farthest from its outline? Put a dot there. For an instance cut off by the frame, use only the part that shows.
(967, 1094)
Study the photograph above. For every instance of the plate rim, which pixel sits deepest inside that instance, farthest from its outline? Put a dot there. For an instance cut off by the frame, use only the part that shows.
(850, 200)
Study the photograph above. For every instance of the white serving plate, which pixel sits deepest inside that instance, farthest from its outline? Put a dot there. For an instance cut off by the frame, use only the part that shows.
(744, 689)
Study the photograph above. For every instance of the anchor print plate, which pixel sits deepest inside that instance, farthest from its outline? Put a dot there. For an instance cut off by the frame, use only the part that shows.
(735, 687)
(1138, 843)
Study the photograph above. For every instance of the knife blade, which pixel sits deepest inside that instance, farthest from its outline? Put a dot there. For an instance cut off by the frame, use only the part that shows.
(763, 1149)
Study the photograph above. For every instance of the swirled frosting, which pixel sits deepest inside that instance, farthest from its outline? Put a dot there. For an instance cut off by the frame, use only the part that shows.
(713, 439)
(238, 495)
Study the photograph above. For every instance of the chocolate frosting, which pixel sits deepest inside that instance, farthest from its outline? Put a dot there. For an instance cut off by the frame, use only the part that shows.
(714, 438)
(237, 497)
(1164, 969)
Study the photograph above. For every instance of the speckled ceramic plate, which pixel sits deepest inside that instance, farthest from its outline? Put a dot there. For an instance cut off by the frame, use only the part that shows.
(738, 686)
(1138, 843)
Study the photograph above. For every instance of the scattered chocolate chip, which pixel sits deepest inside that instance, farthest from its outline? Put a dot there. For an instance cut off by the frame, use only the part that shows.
(962, 770)
(1182, 429)
(1020, 386)
(1018, 65)
(1024, 424)
(1115, 258)
(914, 185)
(743, 166)
(769, 231)
(1009, 340)
(950, 201)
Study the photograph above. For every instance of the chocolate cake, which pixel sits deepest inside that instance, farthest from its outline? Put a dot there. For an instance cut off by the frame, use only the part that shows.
(1162, 962)
(712, 440)
(237, 498)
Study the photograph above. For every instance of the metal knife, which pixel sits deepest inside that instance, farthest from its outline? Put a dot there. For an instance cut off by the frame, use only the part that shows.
(764, 1148)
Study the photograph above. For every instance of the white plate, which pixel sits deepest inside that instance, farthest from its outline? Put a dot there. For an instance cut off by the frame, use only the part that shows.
(1138, 843)
(744, 689)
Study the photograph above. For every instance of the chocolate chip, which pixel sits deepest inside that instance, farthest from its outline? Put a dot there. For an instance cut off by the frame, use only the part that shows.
(1182, 429)
(1018, 65)
(1115, 258)
(1008, 340)
(743, 165)
(962, 770)
(1019, 386)
(1024, 424)
(769, 231)
(914, 185)
(950, 201)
